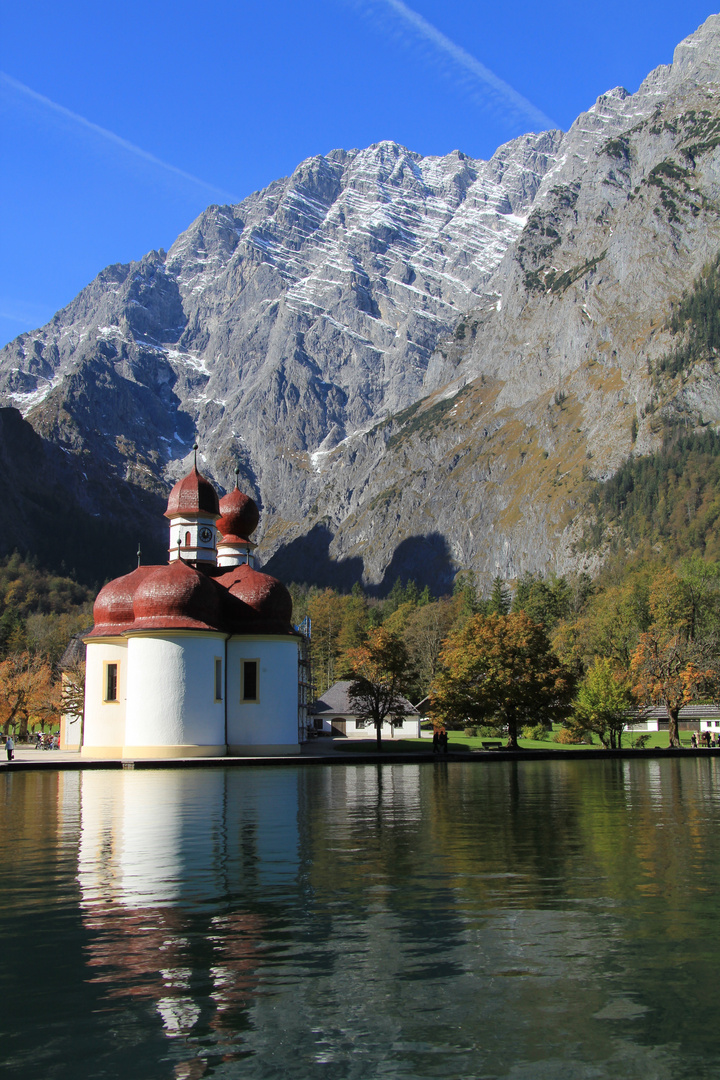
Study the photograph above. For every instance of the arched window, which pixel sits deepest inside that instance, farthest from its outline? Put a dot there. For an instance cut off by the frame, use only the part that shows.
(187, 539)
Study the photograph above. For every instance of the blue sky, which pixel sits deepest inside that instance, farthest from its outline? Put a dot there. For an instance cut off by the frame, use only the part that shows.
(120, 123)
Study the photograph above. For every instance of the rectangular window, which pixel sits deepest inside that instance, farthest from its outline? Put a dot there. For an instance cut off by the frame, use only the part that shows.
(111, 682)
(218, 679)
(249, 691)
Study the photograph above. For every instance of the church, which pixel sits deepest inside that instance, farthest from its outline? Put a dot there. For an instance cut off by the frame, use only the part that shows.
(197, 657)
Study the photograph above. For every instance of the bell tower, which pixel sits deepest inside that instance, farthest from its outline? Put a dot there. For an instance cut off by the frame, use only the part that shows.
(193, 511)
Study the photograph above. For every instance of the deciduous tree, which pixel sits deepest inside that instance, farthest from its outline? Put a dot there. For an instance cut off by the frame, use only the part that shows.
(380, 671)
(500, 670)
(72, 695)
(425, 631)
(28, 693)
(671, 666)
(603, 702)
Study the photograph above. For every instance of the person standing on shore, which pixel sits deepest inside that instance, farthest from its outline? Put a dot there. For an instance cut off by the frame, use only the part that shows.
(10, 747)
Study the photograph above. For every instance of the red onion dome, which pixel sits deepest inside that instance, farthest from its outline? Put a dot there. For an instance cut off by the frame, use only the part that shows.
(267, 598)
(113, 610)
(177, 597)
(240, 516)
(192, 495)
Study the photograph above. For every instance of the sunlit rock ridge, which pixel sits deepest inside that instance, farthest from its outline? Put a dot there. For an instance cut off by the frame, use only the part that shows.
(418, 364)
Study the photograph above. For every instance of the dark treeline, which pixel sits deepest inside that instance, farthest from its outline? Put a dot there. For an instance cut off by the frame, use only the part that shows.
(40, 611)
(671, 498)
(696, 321)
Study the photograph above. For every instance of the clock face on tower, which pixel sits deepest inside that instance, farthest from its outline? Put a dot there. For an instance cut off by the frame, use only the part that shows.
(205, 535)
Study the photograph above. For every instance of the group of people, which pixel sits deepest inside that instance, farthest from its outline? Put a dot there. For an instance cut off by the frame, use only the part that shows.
(440, 741)
(46, 741)
(43, 741)
(706, 739)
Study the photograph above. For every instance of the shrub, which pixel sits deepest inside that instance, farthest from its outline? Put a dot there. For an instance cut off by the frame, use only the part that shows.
(538, 732)
(471, 732)
(568, 737)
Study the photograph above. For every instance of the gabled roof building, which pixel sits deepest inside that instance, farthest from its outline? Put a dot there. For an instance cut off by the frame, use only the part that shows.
(335, 714)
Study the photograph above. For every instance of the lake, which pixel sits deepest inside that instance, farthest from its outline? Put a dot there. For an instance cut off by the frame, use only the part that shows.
(550, 920)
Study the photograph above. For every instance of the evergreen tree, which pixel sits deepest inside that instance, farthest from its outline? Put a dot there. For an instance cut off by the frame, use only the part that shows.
(500, 598)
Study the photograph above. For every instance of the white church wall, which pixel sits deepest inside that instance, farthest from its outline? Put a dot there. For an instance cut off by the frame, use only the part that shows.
(171, 704)
(269, 724)
(104, 719)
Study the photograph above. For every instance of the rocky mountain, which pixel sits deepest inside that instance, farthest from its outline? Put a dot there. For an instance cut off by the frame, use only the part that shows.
(418, 364)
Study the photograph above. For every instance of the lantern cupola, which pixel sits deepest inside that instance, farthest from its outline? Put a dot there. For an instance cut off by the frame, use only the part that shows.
(193, 511)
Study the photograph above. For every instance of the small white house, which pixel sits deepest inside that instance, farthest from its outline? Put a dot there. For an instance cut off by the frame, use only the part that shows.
(690, 718)
(333, 714)
(197, 657)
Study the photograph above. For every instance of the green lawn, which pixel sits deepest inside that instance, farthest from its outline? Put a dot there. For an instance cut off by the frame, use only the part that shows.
(657, 740)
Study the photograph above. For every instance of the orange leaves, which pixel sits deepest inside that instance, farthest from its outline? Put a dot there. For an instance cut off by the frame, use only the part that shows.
(380, 671)
(27, 691)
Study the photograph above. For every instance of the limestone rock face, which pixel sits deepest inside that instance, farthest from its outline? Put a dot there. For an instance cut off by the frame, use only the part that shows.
(418, 364)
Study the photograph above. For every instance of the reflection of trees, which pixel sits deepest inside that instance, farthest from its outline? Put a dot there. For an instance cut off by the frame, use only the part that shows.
(572, 875)
(482, 916)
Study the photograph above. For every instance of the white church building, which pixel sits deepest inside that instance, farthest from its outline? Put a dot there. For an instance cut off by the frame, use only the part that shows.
(197, 657)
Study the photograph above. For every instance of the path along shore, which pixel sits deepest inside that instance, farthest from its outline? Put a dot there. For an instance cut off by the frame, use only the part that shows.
(326, 752)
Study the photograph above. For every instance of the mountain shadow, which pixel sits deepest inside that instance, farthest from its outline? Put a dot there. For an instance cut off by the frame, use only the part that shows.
(42, 492)
(426, 560)
(307, 561)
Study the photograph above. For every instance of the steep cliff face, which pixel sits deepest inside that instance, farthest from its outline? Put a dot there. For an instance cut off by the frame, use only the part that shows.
(418, 364)
(546, 386)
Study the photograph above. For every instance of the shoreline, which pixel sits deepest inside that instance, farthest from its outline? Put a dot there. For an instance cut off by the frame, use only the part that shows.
(65, 760)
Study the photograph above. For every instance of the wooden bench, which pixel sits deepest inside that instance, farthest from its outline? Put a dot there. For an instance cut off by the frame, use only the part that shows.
(492, 744)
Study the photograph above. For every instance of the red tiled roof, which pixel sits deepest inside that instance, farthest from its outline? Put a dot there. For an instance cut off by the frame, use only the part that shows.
(193, 495)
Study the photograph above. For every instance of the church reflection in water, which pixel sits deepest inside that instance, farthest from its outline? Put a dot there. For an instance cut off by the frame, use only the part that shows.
(177, 872)
(363, 920)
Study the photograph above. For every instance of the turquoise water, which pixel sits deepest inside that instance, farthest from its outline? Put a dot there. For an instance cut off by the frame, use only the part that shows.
(529, 920)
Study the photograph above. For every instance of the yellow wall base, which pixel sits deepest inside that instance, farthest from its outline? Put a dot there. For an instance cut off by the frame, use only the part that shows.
(114, 752)
(174, 751)
(101, 751)
(261, 750)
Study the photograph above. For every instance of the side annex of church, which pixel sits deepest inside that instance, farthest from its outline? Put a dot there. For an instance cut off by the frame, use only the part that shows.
(197, 657)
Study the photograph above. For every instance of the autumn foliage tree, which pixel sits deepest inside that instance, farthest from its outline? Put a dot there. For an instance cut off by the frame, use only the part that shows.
(672, 665)
(500, 670)
(380, 671)
(28, 693)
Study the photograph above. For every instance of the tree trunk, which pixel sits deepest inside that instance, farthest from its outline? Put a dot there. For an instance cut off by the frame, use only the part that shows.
(512, 743)
(673, 736)
(378, 730)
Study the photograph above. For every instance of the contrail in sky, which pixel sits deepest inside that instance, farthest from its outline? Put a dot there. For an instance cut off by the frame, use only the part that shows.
(462, 60)
(110, 136)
